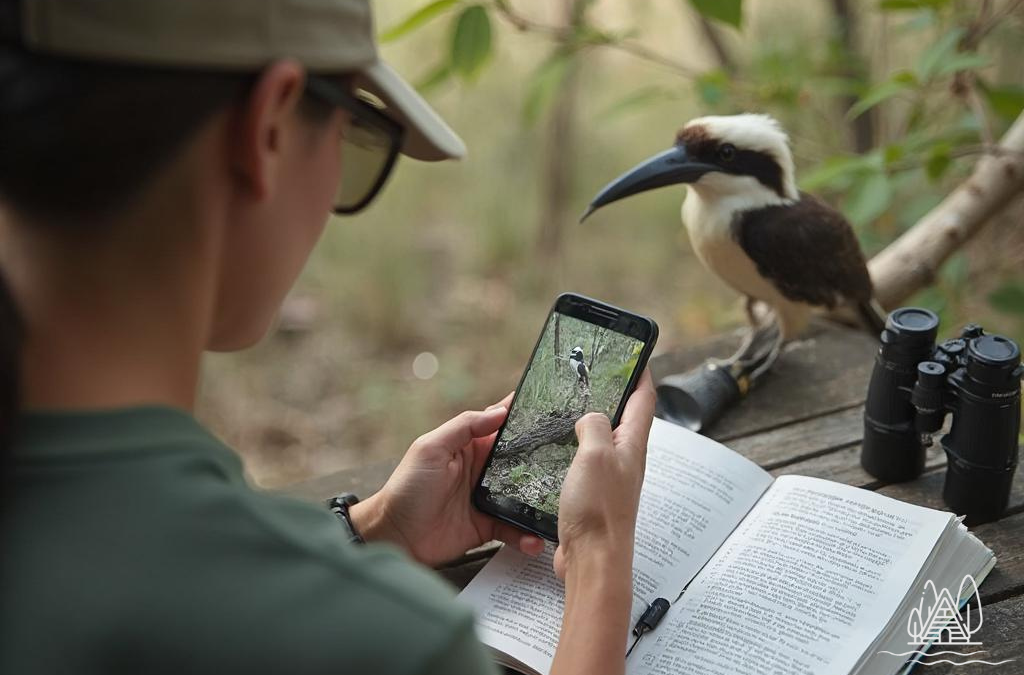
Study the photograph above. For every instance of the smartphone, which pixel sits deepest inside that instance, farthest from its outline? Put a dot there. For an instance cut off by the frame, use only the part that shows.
(588, 359)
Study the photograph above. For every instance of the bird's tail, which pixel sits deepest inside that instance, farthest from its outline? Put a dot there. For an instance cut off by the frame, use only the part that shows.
(873, 316)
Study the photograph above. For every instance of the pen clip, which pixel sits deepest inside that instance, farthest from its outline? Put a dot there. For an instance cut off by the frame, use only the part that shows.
(649, 620)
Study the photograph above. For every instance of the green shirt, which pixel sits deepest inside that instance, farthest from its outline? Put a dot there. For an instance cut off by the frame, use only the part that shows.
(133, 544)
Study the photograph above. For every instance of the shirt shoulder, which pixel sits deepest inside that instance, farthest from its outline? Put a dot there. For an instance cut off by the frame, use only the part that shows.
(365, 608)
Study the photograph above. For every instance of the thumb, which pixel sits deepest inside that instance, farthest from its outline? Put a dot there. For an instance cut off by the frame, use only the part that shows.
(593, 427)
(463, 428)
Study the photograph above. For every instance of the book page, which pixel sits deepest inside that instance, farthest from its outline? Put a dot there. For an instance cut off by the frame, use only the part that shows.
(695, 493)
(804, 585)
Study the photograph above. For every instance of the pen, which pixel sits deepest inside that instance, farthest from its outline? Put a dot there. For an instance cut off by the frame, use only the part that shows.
(649, 620)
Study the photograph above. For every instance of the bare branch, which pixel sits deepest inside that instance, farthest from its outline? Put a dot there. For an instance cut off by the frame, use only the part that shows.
(566, 34)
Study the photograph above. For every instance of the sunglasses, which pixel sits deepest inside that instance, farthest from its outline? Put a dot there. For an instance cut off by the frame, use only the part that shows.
(369, 147)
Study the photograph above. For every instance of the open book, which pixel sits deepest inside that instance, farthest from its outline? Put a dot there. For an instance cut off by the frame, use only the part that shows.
(786, 575)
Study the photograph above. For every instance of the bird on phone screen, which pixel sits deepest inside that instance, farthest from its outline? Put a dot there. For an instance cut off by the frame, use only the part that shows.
(578, 367)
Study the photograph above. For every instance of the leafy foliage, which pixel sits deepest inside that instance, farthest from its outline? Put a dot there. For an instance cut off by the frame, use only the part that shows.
(940, 104)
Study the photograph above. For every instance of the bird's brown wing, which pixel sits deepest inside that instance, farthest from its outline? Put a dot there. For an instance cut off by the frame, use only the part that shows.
(807, 250)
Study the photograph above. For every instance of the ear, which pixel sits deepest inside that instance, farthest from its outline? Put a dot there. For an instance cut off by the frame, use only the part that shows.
(262, 123)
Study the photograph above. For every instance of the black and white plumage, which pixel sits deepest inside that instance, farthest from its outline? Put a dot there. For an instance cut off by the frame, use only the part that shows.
(579, 367)
(750, 226)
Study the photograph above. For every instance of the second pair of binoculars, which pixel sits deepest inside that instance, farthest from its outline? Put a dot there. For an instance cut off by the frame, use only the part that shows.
(916, 383)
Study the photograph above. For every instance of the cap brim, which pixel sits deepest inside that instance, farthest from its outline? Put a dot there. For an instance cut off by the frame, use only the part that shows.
(427, 136)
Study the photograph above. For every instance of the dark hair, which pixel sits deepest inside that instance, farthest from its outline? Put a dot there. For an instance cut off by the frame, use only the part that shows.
(80, 140)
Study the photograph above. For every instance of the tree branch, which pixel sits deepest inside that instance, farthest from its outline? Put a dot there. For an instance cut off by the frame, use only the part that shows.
(912, 261)
(725, 60)
(564, 34)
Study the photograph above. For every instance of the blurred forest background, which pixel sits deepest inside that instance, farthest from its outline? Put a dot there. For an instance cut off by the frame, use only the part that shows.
(429, 303)
(538, 443)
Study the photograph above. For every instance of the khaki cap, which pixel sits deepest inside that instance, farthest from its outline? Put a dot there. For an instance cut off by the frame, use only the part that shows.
(326, 36)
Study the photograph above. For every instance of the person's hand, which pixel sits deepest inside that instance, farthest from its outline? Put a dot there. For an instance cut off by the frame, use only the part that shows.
(601, 492)
(425, 505)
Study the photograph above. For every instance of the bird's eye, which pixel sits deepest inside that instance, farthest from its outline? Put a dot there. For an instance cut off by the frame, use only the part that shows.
(726, 152)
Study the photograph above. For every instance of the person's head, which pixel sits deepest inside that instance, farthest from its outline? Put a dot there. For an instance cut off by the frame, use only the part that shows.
(236, 124)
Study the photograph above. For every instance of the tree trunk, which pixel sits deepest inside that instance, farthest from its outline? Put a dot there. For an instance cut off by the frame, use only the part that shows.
(862, 128)
(557, 176)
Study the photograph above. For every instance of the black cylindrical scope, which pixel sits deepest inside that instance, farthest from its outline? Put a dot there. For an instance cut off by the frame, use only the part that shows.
(981, 446)
(892, 449)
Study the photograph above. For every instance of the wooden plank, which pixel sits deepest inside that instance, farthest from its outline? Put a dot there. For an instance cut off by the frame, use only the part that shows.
(1002, 638)
(1004, 538)
(843, 466)
(801, 440)
(927, 491)
(825, 372)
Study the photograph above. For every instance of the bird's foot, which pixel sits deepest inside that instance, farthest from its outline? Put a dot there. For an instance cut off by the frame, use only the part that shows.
(770, 357)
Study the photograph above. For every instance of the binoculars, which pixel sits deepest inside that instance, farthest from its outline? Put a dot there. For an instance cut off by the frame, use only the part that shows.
(915, 383)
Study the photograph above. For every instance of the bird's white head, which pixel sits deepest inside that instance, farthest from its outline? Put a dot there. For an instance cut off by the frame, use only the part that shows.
(742, 159)
(751, 153)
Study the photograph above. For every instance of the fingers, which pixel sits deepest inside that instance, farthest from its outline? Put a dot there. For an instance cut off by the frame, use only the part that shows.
(505, 402)
(638, 414)
(559, 563)
(527, 543)
(463, 428)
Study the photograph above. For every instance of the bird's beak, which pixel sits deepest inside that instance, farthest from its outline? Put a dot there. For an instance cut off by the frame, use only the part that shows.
(670, 167)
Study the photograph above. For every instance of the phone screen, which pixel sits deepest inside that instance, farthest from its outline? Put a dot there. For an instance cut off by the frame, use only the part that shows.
(577, 367)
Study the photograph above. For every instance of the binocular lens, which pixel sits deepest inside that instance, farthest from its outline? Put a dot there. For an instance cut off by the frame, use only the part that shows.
(914, 323)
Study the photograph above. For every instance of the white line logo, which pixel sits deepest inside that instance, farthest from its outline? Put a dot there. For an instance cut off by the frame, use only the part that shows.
(939, 622)
(943, 625)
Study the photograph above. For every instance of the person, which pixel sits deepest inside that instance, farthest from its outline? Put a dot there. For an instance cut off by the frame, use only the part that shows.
(165, 169)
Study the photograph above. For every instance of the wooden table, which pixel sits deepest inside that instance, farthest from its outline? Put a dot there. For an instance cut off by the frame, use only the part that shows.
(806, 418)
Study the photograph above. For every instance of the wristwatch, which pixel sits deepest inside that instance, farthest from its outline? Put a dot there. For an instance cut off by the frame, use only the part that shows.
(339, 507)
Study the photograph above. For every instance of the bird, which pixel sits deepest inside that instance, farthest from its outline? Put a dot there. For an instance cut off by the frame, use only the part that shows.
(578, 367)
(750, 225)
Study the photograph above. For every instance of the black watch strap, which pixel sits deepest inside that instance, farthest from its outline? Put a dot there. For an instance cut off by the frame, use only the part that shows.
(339, 507)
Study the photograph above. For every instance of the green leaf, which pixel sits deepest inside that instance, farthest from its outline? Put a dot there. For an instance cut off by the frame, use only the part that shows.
(417, 19)
(868, 198)
(636, 99)
(1007, 101)
(914, 5)
(963, 61)
(838, 173)
(471, 41)
(893, 153)
(941, 50)
(1008, 298)
(938, 161)
(882, 91)
(435, 78)
(544, 84)
(898, 5)
(726, 11)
